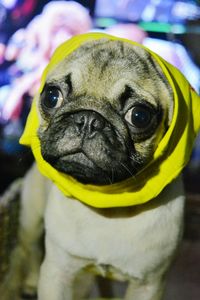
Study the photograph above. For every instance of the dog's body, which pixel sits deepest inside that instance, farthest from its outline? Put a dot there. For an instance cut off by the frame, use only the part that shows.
(133, 244)
(100, 126)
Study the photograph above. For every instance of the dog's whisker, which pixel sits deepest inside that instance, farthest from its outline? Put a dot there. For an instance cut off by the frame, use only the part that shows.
(110, 180)
(127, 169)
(112, 170)
(138, 160)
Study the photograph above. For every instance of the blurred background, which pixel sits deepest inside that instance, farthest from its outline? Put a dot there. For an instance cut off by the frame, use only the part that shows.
(30, 30)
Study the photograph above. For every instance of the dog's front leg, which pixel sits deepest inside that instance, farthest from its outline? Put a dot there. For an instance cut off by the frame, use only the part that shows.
(33, 202)
(58, 273)
(152, 290)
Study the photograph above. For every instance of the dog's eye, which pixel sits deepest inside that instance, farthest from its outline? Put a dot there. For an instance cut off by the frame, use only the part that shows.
(139, 116)
(52, 98)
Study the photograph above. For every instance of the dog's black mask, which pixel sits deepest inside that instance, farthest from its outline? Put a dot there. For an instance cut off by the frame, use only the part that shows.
(93, 151)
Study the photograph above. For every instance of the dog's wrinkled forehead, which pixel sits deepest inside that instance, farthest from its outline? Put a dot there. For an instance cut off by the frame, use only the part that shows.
(104, 67)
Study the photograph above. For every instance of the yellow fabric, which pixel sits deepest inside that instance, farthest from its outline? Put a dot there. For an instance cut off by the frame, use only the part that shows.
(171, 155)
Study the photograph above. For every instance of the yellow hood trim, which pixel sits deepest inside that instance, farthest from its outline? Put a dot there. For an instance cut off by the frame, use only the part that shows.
(170, 157)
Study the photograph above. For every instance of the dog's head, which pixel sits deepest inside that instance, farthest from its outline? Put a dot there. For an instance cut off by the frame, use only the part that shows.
(103, 111)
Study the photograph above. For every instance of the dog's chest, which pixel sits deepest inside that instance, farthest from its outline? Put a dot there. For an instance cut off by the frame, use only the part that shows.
(130, 244)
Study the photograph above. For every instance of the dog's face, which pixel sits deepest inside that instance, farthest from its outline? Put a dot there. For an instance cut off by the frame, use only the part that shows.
(103, 111)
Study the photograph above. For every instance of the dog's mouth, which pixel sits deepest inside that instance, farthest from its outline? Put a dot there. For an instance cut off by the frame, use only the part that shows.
(79, 166)
(85, 170)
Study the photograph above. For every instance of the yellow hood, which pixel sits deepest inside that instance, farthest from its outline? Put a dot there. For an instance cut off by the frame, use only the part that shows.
(171, 155)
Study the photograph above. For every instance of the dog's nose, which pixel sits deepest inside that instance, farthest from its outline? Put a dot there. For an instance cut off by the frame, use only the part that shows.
(88, 122)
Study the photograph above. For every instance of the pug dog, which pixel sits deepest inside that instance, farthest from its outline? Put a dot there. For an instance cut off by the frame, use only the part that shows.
(102, 112)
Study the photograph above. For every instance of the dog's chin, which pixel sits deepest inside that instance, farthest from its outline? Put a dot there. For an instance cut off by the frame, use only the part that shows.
(80, 167)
